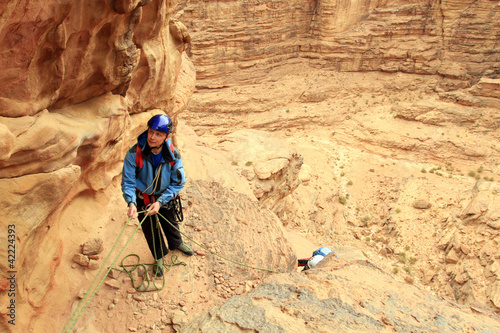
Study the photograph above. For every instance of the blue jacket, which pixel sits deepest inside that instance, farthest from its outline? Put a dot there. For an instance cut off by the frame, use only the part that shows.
(171, 181)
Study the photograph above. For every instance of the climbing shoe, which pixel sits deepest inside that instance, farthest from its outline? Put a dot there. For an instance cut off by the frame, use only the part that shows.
(158, 270)
(186, 249)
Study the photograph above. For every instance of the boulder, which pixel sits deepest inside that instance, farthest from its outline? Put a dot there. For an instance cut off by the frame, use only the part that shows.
(93, 246)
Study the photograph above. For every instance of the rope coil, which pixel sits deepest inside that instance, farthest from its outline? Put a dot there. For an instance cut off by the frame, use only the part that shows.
(147, 268)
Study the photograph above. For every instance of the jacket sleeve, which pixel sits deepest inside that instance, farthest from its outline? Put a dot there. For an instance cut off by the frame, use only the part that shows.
(177, 180)
(128, 178)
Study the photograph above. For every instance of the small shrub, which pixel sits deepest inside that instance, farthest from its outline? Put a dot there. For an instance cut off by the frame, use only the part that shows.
(365, 219)
(402, 258)
(342, 200)
(423, 170)
(472, 173)
(342, 174)
(481, 169)
(413, 260)
(398, 210)
(349, 182)
(367, 239)
(395, 270)
(234, 163)
(248, 163)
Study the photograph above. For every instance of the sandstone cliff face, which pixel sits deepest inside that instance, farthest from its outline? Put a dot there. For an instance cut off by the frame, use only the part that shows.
(450, 45)
(60, 54)
(72, 73)
(454, 39)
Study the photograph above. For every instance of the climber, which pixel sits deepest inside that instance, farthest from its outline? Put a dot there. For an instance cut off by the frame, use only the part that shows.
(317, 256)
(152, 177)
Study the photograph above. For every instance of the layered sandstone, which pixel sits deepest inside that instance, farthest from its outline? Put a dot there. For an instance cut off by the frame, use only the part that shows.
(72, 73)
(456, 40)
(349, 161)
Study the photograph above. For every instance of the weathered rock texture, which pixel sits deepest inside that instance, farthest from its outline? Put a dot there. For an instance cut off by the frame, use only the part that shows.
(456, 40)
(59, 54)
(273, 171)
(72, 73)
(342, 296)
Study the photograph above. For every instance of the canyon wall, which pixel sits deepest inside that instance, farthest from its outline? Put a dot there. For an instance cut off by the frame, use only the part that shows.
(447, 50)
(72, 75)
(235, 42)
(79, 81)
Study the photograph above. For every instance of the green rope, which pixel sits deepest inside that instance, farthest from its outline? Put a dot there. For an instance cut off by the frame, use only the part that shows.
(79, 310)
(216, 254)
(147, 267)
(148, 271)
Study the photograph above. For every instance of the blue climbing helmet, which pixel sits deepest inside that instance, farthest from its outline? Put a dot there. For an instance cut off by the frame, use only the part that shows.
(323, 251)
(161, 123)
